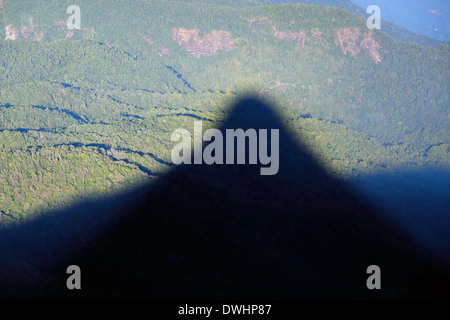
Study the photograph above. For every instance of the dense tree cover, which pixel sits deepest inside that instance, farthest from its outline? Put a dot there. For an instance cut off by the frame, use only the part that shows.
(82, 63)
(94, 113)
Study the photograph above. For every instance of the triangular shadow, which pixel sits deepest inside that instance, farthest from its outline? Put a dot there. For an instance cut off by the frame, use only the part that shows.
(226, 231)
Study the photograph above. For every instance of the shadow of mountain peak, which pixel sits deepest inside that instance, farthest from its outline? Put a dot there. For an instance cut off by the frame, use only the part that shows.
(226, 231)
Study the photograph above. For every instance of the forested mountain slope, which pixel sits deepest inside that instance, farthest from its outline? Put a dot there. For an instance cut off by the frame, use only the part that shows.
(103, 84)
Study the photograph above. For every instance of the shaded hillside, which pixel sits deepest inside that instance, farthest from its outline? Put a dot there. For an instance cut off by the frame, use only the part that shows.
(225, 231)
(417, 200)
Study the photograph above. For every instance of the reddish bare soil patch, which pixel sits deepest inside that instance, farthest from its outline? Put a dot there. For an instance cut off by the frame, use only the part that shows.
(347, 39)
(317, 35)
(10, 32)
(165, 52)
(149, 41)
(259, 21)
(373, 47)
(207, 46)
(289, 35)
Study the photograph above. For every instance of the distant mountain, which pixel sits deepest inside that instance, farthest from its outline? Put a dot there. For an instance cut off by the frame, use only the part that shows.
(428, 18)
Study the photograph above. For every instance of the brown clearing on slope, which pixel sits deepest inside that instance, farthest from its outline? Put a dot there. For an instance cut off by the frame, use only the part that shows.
(208, 46)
